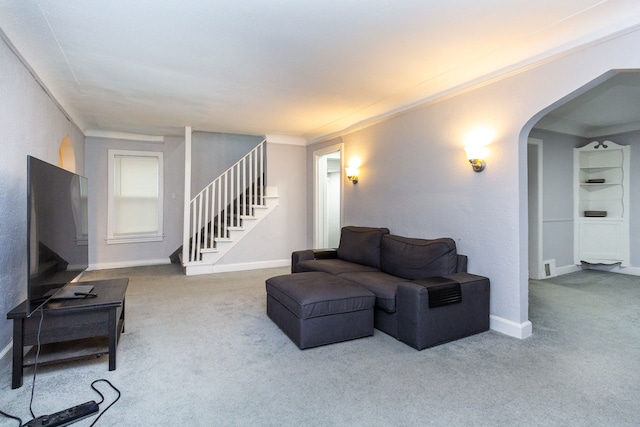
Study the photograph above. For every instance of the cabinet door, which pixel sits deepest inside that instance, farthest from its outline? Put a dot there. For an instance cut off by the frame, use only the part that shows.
(601, 241)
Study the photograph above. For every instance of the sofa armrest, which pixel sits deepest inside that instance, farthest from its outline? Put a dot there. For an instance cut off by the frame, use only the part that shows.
(420, 326)
(462, 264)
(310, 254)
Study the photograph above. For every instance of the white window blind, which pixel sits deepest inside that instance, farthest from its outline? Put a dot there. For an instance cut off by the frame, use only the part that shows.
(135, 196)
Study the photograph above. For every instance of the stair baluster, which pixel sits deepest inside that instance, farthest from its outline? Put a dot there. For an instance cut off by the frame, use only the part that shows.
(222, 205)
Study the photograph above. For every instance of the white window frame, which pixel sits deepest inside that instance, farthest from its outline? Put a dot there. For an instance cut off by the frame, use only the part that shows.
(157, 236)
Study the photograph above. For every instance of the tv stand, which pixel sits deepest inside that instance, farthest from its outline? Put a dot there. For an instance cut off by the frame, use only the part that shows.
(71, 329)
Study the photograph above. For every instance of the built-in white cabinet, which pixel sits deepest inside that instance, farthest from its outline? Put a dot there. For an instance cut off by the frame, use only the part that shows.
(601, 203)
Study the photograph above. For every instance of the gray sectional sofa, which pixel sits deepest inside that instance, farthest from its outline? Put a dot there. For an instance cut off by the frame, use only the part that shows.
(423, 294)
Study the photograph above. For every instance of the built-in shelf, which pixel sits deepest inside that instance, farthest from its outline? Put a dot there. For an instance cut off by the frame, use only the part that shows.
(601, 203)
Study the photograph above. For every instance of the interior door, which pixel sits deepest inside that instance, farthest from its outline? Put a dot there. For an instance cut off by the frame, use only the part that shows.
(328, 196)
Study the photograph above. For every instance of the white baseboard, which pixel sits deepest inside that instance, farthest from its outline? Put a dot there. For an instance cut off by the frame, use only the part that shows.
(510, 328)
(566, 269)
(615, 268)
(226, 268)
(197, 269)
(125, 264)
(632, 271)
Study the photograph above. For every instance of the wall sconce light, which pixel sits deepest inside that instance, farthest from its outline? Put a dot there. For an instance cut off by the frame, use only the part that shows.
(352, 174)
(476, 142)
(476, 158)
(353, 170)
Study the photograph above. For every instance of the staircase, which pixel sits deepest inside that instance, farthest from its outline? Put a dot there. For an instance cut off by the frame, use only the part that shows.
(225, 211)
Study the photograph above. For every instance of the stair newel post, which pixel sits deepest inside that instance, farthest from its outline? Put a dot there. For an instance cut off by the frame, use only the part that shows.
(187, 203)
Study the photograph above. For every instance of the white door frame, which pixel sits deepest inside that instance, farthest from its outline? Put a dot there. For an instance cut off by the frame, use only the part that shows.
(319, 193)
(535, 211)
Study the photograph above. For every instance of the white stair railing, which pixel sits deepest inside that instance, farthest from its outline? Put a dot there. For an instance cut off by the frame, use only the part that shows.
(222, 204)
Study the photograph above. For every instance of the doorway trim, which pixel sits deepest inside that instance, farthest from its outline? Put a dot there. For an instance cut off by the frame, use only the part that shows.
(319, 192)
(535, 207)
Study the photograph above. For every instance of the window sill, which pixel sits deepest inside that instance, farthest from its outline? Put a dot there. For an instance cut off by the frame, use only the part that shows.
(133, 239)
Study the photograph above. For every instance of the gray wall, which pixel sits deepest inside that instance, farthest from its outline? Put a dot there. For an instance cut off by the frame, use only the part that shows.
(557, 196)
(632, 139)
(280, 233)
(415, 179)
(283, 230)
(558, 193)
(30, 124)
(214, 153)
(102, 255)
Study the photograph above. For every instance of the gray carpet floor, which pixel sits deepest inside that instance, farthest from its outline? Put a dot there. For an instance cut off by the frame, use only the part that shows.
(200, 351)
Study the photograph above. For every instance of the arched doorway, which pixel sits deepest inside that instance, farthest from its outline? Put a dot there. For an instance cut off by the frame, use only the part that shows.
(606, 108)
(66, 155)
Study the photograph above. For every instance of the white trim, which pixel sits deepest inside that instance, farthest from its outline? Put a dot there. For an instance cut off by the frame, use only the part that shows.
(137, 238)
(75, 121)
(510, 328)
(245, 266)
(186, 211)
(156, 236)
(194, 269)
(97, 133)
(566, 269)
(125, 264)
(553, 220)
(285, 140)
(538, 262)
(476, 83)
(615, 268)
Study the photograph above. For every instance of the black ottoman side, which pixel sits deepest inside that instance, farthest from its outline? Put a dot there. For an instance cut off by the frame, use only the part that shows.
(317, 308)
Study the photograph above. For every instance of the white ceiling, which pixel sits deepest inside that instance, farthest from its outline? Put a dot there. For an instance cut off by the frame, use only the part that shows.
(298, 67)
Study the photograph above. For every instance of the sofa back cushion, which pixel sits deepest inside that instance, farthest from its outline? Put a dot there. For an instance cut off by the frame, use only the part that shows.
(361, 245)
(414, 259)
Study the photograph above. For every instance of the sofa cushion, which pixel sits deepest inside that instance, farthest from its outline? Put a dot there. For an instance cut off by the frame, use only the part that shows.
(309, 295)
(361, 245)
(332, 266)
(412, 258)
(383, 285)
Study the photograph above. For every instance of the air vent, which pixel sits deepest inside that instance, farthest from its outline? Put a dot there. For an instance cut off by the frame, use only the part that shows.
(550, 268)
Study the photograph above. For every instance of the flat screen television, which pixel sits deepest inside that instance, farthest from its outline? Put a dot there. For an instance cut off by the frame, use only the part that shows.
(57, 230)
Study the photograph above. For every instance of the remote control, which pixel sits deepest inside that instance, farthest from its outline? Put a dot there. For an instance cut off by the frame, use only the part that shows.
(65, 417)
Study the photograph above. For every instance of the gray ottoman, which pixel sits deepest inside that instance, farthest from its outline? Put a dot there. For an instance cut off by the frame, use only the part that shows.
(318, 308)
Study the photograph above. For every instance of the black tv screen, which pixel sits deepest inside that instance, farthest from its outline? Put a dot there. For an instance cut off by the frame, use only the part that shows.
(57, 229)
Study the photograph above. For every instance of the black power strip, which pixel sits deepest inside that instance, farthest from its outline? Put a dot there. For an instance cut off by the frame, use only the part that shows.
(66, 417)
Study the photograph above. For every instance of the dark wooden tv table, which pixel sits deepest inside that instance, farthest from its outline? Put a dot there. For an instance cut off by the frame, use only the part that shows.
(71, 329)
